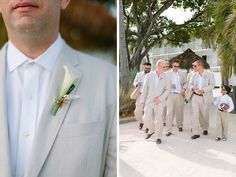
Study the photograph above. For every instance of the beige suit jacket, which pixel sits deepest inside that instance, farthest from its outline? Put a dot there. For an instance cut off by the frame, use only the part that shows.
(80, 141)
(182, 77)
(138, 78)
(208, 85)
(149, 92)
(189, 92)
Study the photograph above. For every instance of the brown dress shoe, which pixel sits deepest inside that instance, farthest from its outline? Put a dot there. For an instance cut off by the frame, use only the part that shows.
(195, 137)
(158, 141)
(205, 132)
(168, 133)
(149, 135)
(140, 126)
(180, 129)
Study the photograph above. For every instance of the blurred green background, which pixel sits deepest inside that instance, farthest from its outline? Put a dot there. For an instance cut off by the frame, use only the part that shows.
(86, 25)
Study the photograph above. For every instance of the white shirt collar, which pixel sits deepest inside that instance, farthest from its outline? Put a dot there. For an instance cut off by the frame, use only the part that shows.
(47, 60)
(203, 73)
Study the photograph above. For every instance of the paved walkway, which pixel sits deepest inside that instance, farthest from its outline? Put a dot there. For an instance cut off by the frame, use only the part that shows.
(178, 155)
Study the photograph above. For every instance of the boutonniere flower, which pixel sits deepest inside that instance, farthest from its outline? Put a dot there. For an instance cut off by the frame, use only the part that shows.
(161, 77)
(67, 87)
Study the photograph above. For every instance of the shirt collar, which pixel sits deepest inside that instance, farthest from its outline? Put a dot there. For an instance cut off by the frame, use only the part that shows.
(203, 73)
(47, 60)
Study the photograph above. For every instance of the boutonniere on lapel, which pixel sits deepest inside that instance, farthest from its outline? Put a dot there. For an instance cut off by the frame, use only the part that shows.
(162, 77)
(67, 87)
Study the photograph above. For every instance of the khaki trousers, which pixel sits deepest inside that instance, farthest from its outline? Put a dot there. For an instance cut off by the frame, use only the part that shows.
(159, 118)
(222, 124)
(153, 119)
(200, 114)
(138, 112)
(175, 109)
(190, 116)
(149, 118)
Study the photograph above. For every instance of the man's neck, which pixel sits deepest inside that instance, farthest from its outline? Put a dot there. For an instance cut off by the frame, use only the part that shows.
(33, 47)
(158, 73)
(201, 72)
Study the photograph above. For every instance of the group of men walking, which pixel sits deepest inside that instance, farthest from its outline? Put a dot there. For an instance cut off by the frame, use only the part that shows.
(163, 93)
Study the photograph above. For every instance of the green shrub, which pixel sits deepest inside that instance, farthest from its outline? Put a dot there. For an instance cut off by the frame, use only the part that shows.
(127, 105)
(132, 74)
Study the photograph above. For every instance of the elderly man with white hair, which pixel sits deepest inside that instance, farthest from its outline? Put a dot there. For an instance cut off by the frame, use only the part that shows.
(155, 91)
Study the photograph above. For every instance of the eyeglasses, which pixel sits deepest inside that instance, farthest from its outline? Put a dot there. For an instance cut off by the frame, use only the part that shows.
(194, 66)
(175, 66)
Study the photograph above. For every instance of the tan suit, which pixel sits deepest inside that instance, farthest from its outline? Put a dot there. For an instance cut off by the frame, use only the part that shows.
(201, 104)
(175, 101)
(189, 92)
(138, 112)
(81, 139)
(152, 111)
(222, 124)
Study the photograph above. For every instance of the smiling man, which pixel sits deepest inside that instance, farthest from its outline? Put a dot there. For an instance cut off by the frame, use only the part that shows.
(55, 120)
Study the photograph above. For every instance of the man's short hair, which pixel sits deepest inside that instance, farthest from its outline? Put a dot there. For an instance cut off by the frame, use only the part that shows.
(147, 64)
(200, 62)
(176, 61)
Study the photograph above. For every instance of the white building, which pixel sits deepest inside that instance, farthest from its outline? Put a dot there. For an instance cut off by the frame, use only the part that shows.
(201, 49)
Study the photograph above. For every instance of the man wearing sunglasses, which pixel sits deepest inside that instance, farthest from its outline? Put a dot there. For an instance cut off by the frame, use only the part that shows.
(175, 101)
(202, 84)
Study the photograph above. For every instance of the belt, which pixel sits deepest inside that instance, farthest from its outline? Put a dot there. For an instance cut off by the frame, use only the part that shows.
(197, 94)
(175, 92)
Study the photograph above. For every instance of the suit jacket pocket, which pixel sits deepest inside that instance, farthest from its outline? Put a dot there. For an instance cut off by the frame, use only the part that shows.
(81, 129)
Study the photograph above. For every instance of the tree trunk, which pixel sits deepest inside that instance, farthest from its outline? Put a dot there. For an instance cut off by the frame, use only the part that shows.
(124, 64)
(224, 79)
(233, 96)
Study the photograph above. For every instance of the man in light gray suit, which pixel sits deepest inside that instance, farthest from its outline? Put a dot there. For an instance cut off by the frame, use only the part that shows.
(175, 101)
(202, 84)
(57, 118)
(155, 91)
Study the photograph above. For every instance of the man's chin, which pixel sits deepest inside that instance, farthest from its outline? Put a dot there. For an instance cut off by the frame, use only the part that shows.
(27, 26)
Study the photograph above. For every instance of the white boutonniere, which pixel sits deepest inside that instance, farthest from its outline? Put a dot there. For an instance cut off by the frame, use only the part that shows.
(67, 87)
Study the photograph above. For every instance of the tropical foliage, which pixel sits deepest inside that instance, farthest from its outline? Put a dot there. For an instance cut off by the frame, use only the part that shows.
(145, 26)
(222, 34)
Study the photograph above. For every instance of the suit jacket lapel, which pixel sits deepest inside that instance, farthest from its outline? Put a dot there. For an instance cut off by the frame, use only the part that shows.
(49, 125)
(4, 138)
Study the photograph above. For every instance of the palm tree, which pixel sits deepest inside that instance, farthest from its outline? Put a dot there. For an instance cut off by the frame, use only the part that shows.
(223, 33)
(223, 15)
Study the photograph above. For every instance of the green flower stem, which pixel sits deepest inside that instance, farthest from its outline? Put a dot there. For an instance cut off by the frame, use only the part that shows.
(55, 109)
(70, 89)
(56, 106)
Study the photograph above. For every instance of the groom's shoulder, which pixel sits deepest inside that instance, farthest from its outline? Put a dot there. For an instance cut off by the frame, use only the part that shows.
(93, 63)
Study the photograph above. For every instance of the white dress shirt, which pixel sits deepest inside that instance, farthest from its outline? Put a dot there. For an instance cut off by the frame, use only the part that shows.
(175, 80)
(27, 83)
(199, 80)
(140, 77)
(157, 79)
(226, 99)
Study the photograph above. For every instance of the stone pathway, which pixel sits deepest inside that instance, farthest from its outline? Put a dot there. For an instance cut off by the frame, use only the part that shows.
(178, 155)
